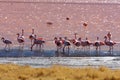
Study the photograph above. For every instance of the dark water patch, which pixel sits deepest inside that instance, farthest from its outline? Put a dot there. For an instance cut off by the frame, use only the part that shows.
(116, 59)
(53, 53)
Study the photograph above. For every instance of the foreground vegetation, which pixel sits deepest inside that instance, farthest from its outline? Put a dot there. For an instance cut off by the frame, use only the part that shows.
(16, 72)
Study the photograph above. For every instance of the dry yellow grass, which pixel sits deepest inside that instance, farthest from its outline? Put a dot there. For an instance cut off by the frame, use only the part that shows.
(16, 72)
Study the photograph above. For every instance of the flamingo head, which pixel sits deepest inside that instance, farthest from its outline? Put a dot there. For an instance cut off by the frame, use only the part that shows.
(55, 38)
(97, 38)
(18, 34)
(65, 38)
(32, 31)
(86, 38)
(60, 38)
(22, 30)
(105, 37)
(2, 38)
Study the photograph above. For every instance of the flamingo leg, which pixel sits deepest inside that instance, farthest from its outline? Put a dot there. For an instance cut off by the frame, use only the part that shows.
(97, 50)
(109, 49)
(36, 46)
(84, 49)
(5, 46)
(9, 46)
(64, 49)
(31, 42)
(68, 50)
(19, 45)
(112, 49)
(89, 49)
(22, 45)
(40, 46)
(57, 48)
(32, 46)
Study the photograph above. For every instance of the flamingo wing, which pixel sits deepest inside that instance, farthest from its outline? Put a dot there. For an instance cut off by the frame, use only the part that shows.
(7, 42)
(20, 40)
(109, 43)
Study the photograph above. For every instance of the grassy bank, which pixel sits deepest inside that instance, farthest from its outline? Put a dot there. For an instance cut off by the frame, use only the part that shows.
(16, 72)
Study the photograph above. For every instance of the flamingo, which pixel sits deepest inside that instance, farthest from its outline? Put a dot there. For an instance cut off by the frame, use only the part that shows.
(59, 43)
(66, 45)
(37, 42)
(85, 43)
(20, 39)
(98, 44)
(7, 42)
(109, 43)
(75, 42)
(32, 36)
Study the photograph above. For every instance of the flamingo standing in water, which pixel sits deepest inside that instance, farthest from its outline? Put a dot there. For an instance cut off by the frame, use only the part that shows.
(32, 36)
(59, 43)
(85, 43)
(66, 45)
(75, 42)
(20, 39)
(109, 43)
(7, 42)
(37, 42)
(98, 44)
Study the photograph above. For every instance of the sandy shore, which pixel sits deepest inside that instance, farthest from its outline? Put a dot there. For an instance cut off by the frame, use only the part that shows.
(16, 72)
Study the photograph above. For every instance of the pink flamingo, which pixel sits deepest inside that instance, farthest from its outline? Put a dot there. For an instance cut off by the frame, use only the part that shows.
(20, 39)
(38, 41)
(109, 43)
(32, 36)
(98, 44)
(7, 42)
(66, 45)
(59, 43)
(75, 42)
(85, 43)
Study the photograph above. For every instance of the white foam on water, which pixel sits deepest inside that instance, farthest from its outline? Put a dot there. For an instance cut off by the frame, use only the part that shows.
(111, 62)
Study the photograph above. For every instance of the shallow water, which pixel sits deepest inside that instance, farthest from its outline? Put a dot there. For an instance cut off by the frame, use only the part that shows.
(47, 58)
(111, 62)
(101, 19)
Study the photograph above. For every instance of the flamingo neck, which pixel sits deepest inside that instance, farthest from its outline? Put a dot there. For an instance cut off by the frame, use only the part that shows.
(3, 40)
(18, 36)
(32, 31)
(105, 40)
(75, 37)
(22, 32)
